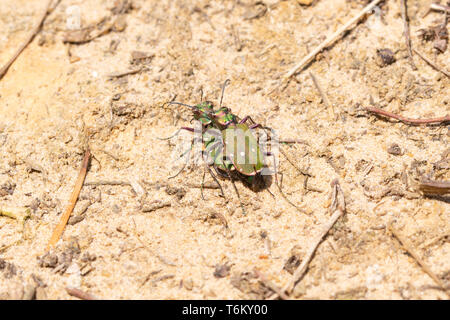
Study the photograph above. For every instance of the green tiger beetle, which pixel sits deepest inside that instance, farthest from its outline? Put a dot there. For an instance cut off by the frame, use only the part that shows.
(229, 145)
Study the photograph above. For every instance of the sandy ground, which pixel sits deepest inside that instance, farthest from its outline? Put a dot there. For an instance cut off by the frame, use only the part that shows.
(57, 94)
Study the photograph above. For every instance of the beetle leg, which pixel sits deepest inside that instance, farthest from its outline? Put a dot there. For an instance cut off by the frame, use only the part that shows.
(281, 180)
(266, 186)
(182, 155)
(236, 190)
(254, 123)
(244, 119)
(223, 175)
(203, 182)
(215, 179)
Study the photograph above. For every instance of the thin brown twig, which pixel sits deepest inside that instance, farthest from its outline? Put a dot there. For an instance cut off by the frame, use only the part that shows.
(150, 250)
(431, 63)
(324, 96)
(269, 284)
(406, 33)
(107, 183)
(303, 172)
(83, 36)
(27, 41)
(388, 114)
(430, 187)
(339, 211)
(407, 246)
(80, 294)
(439, 7)
(330, 40)
(59, 229)
(120, 74)
(205, 186)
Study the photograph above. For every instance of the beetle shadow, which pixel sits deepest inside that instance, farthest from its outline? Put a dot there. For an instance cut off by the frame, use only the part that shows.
(258, 183)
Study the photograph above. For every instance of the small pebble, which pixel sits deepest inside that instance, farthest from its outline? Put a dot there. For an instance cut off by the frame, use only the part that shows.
(395, 150)
(222, 270)
(386, 57)
(188, 284)
(49, 260)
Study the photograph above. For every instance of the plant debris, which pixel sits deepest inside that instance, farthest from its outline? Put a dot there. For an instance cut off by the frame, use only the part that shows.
(438, 34)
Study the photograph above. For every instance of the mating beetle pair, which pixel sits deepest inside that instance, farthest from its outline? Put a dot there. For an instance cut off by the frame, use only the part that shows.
(229, 144)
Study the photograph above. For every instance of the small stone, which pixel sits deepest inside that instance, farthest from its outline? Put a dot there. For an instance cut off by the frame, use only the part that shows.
(305, 2)
(120, 24)
(222, 270)
(88, 257)
(386, 57)
(179, 192)
(49, 260)
(116, 209)
(395, 150)
(7, 188)
(74, 279)
(294, 260)
(9, 269)
(276, 214)
(188, 284)
(440, 45)
(75, 219)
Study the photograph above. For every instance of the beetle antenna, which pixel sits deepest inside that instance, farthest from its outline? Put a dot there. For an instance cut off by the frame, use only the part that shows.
(223, 90)
(182, 104)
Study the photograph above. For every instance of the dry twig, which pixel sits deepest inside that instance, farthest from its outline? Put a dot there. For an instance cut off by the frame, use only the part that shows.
(439, 7)
(324, 96)
(74, 292)
(205, 186)
(330, 40)
(30, 37)
(57, 232)
(407, 246)
(407, 34)
(150, 250)
(430, 187)
(269, 284)
(120, 74)
(303, 172)
(431, 63)
(107, 183)
(339, 211)
(339, 202)
(410, 121)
